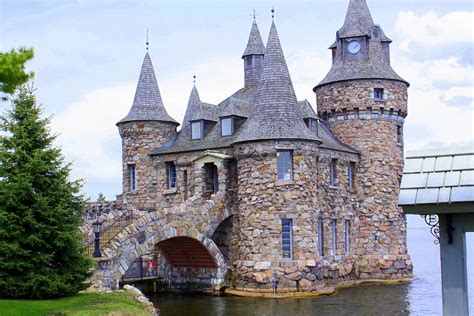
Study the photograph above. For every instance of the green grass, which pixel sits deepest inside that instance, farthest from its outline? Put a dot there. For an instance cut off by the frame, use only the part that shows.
(116, 304)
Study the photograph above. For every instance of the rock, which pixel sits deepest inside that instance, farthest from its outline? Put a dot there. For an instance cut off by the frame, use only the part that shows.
(295, 276)
(310, 277)
(262, 265)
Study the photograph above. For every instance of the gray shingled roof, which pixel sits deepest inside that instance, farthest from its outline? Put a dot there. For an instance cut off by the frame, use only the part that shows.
(239, 103)
(147, 105)
(255, 44)
(358, 22)
(206, 111)
(275, 113)
(307, 110)
(193, 103)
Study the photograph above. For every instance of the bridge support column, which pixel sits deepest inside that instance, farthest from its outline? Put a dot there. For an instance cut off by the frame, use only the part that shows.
(453, 265)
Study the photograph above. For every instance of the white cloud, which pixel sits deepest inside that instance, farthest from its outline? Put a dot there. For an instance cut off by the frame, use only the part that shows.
(431, 29)
(88, 135)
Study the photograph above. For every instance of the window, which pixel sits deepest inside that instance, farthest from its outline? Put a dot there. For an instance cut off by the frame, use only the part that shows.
(347, 224)
(285, 164)
(258, 61)
(248, 61)
(227, 126)
(313, 125)
(399, 134)
(185, 183)
(212, 181)
(196, 130)
(132, 175)
(321, 237)
(378, 94)
(332, 172)
(171, 175)
(287, 238)
(334, 236)
(350, 175)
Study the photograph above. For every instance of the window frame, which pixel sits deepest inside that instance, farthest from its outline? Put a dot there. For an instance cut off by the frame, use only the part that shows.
(333, 173)
(132, 177)
(379, 91)
(350, 175)
(201, 129)
(291, 172)
(347, 240)
(287, 241)
(170, 166)
(231, 126)
(320, 228)
(334, 236)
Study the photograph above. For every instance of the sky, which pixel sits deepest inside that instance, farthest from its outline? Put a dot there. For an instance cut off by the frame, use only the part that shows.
(88, 56)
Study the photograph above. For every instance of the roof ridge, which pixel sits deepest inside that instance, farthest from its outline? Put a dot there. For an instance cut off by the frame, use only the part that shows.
(147, 104)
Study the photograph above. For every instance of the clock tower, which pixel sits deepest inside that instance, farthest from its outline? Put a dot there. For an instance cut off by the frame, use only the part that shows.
(364, 102)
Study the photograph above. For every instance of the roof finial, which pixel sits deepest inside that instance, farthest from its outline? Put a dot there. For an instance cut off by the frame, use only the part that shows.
(273, 12)
(147, 43)
(194, 79)
(254, 15)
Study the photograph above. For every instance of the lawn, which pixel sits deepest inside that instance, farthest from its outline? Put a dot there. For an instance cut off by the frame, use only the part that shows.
(117, 304)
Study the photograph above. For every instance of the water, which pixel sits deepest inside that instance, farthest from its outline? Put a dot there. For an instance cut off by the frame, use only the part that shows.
(420, 297)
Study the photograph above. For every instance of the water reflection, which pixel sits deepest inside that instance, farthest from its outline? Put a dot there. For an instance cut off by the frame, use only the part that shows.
(420, 297)
(361, 300)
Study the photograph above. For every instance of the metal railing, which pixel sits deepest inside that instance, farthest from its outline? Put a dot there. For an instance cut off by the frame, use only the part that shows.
(142, 269)
(111, 231)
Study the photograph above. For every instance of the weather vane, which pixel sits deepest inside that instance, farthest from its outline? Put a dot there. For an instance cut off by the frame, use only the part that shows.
(194, 78)
(273, 12)
(147, 43)
(254, 15)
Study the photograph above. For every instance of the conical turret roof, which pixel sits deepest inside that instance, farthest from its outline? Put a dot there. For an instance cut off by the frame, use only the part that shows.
(375, 64)
(358, 20)
(275, 113)
(255, 44)
(193, 104)
(147, 105)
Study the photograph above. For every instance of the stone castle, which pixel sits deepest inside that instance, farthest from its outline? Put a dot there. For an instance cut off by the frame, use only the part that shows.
(261, 190)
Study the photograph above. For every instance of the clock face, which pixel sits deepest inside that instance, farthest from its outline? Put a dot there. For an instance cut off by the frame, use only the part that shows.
(354, 47)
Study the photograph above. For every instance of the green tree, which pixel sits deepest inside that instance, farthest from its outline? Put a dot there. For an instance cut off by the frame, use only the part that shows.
(101, 197)
(41, 254)
(12, 69)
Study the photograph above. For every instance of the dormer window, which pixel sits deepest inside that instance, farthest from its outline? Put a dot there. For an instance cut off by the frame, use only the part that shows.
(196, 130)
(227, 126)
(313, 125)
(378, 94)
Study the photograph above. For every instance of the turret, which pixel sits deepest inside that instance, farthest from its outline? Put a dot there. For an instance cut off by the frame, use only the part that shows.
(253, 56)
(146, 127)
(364, 102)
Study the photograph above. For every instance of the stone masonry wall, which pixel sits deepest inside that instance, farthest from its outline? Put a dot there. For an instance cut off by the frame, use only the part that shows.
(378, 136)
(138, 139)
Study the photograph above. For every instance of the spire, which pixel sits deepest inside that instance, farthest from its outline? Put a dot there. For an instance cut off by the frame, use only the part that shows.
(147, 105)
(370, 59)
(275, 113)
(193, 104)
(358, 20)
(255, 44)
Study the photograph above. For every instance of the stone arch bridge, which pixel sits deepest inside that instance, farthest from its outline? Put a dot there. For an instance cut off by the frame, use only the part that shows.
(183, 234)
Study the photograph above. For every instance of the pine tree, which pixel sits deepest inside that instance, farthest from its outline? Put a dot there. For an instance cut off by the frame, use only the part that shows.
(12, 69)
(41, 254)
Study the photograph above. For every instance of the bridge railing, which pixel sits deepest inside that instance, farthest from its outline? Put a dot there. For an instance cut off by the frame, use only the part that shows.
(142, 269)
(111, 231)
